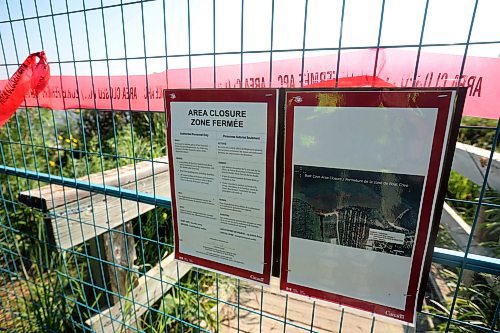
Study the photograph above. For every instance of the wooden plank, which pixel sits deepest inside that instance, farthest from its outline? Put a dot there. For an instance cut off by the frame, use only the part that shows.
(471, 162)
(119, 249)
(96, 276)
(87, 218)
(150, 288)
(438, 285)
(52, 196)
(299, 312)
(459, 230)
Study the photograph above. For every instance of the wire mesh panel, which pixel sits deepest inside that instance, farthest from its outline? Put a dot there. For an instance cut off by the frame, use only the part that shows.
(86, 236)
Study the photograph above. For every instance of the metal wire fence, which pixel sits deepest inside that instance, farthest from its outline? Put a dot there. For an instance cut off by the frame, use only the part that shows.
(86, 229)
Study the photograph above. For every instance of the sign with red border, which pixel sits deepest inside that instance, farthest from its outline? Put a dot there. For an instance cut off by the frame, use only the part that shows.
(221, 150)
(362, 176)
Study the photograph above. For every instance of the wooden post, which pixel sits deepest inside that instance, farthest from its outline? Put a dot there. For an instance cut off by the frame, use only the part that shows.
(112, 248)
(119, 249)
(96, 273)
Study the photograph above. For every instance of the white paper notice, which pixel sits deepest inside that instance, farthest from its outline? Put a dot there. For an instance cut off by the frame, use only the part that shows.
(219, 160)
(362, 173)
(367, 186)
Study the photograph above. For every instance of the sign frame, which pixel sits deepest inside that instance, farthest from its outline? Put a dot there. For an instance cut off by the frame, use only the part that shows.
(449, 117)
(269, 96)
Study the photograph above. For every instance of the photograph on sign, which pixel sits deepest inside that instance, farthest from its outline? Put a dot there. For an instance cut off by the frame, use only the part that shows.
(362, 174)
(221, 149)
(362, 209)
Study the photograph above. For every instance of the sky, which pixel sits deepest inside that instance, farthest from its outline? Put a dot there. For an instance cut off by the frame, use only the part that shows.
(80, 35)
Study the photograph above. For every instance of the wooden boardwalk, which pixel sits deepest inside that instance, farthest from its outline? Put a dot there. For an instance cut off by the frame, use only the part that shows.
(327, 316)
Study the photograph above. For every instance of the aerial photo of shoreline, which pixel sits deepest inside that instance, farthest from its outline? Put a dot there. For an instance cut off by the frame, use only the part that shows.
(368, 210)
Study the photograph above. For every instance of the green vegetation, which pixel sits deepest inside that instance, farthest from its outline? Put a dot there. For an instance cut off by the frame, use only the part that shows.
(478, 137)
(461, 188)
(476, 302)
(188, 303)
(48, 290)
(45, 288)
(155, 229)
(478, 294)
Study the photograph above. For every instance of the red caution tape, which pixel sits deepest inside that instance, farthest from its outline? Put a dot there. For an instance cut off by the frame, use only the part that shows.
(394, 68)
(29, 76)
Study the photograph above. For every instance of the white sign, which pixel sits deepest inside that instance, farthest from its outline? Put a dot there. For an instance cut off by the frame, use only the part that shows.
(362, 170)
(222, 172)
